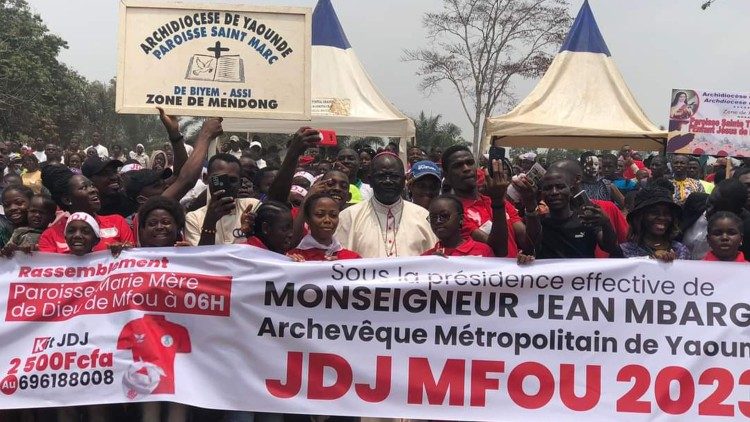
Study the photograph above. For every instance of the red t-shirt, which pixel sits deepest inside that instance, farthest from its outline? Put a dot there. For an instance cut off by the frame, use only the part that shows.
(470, 247)
(479, 211)
(155, 340)
(628, 173)
(619, 223)
(711, 257)
(316, 254)
(112, 229)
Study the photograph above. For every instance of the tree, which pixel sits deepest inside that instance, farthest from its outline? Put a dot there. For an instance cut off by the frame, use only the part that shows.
(431, 132)
(32, 81)
(479, 46)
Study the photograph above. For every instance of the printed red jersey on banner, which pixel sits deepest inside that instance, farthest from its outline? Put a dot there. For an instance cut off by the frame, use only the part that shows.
(155, 340)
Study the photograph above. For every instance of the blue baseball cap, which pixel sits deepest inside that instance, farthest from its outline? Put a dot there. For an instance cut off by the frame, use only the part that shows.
(426, 168)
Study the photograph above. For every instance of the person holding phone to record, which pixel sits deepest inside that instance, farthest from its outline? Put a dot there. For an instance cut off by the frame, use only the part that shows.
(574, 226)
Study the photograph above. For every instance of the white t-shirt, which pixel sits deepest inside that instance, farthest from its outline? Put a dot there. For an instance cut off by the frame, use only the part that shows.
(41, 156)
(101, 150)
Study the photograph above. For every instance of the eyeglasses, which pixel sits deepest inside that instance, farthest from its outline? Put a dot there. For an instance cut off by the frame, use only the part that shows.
(440, 218)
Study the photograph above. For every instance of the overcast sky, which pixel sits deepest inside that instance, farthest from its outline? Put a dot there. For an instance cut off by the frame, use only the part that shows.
(657, 44)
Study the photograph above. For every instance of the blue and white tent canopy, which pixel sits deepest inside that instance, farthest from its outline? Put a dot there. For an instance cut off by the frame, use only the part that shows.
(581, 102)
(344, 97)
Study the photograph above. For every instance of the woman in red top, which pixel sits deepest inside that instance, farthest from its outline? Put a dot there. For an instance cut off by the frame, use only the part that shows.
(321, 213)
(724, 236)
(446, 219)
(76, 193)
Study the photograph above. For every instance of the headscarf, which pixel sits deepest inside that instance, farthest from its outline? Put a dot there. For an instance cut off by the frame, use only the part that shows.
(152, 159)
(86, 218)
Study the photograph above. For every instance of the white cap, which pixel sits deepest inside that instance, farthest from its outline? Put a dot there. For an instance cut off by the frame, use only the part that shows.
(299, 190)
(130, 167)
(234, 138)
(256, 144)
(530, 156)
(309, 177)
(82, 216)
(141, 379)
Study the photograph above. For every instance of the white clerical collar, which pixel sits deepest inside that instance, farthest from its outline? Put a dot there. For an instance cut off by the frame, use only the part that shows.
(309, 242)
(381, 208)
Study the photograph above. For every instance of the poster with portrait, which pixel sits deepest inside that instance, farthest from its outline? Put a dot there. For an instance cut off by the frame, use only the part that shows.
(709, 123)
(214, 60)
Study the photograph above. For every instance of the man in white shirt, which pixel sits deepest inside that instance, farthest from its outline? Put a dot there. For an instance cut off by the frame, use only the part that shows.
(215, 223)
(386, 226)
(234, 146)
(39, 150)
(256, 150)
(101, 150)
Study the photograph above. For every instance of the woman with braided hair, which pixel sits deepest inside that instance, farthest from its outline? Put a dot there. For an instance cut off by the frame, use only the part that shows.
(76, 193)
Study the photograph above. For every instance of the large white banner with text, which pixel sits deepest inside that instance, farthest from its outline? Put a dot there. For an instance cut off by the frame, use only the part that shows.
(430, 338)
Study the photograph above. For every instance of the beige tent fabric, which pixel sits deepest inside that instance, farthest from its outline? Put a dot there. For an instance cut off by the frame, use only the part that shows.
(344, 99)
(581, 102)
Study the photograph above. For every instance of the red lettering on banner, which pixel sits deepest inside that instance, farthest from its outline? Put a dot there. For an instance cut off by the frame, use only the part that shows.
(546, 385)
(315, 388)
(451, 378)
(687, 390)
(479, 381)
(592, 387)
(744, 405)
(154, 292)
(714, 404)
(382, 382)
(293, 378)
(631, 402)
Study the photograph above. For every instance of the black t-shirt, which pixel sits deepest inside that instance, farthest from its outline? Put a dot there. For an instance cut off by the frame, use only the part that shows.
(566, 238)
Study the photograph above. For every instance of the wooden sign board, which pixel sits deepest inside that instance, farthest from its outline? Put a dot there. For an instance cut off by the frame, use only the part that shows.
(214, 60)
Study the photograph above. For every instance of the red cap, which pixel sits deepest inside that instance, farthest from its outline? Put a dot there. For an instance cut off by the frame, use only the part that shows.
(305, 160)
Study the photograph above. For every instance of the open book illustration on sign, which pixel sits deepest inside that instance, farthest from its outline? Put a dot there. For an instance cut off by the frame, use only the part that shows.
(216, 67)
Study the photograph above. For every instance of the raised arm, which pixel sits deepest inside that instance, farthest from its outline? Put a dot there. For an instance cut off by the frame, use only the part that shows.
(497, 186)
(191, 171)
(175, 138)
(304, 138)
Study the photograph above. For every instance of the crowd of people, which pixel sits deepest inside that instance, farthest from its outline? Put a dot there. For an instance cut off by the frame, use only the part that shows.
(316, 204)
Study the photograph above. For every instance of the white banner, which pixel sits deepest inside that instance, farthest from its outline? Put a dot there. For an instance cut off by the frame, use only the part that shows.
(430, 338)
(214, 60)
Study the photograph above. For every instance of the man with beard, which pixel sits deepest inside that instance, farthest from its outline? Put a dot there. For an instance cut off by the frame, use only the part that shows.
(386, 226)
(484, 216)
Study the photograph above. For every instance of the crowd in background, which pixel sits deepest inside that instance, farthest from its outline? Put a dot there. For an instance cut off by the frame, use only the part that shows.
(313, 204)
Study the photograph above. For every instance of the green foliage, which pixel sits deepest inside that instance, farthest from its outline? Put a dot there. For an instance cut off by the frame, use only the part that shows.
(432, 132)
(42, 97)
(32, 82)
